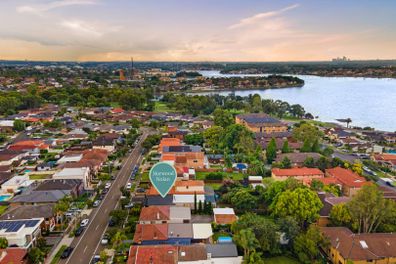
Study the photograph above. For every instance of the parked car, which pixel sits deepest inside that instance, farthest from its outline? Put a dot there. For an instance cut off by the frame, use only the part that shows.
(140, 190)
(79, 231)
(130, 205)
(67, 252)
(96, 203)
(111, 222)
(129, 186)
(105, 191)
(95, 259)
(105, 239)
(108, 184)
(84, 222)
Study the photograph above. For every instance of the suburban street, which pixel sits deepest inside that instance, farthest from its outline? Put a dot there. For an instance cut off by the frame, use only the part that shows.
(86, 245)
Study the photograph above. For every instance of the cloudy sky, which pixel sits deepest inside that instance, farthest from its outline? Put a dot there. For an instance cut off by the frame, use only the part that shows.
(197, 30)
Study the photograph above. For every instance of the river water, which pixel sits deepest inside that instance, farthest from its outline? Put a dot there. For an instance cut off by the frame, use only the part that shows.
(367, 101)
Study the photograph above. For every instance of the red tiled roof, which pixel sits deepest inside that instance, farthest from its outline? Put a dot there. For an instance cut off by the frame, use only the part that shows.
(150, 232)
(363, 247)
(225, 219)
(164, 254)
(347, 177)
(152, 213)
(12, 255)
(293, 172)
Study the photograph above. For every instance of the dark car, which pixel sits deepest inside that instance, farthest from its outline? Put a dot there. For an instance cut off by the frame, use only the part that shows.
(105, 191)
(67, 252)
(79, 231)
(112, 222)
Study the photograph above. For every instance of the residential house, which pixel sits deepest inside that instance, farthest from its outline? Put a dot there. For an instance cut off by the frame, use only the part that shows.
(305, 175)
(16, 183)
(21, 233)
(224, 216)
(45, 211)
(13, 256)
(202, 232)
(261, 123)
(328, 201)
(223, 253)
(346, 247)
(164, 214)
(33, 197)
(167, 142)
(350, 181)
(107, 141)
(298, 159)
(73, 187)
(82, 174)
(10, 157)
(32, 146)
(185, 156)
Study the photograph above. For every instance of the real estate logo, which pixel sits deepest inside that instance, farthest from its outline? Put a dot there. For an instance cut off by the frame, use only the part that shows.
(163, 177)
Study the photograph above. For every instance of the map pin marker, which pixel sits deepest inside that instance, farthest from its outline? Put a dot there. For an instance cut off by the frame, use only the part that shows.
(163, 177)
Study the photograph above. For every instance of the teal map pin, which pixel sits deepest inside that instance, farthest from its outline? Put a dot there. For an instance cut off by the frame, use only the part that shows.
(163, 177)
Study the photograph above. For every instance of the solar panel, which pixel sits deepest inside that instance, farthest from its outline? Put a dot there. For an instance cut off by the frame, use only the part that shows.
(13, 226)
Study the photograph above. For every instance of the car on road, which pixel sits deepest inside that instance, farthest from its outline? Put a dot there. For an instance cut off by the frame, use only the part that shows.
(84, 222)
(140, 190)
(79, 231)
(95, 259)
(129, 186)
(96, 203)
(105, 239)
(130, 205)
(112, 222)
(66, 253)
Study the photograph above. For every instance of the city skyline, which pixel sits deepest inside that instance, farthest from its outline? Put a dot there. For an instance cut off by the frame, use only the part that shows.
(171, 30)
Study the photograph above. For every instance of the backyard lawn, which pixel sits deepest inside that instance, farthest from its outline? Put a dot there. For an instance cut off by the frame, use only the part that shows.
(227, 175)
(162, 107)
(3, 208)
(39, 176)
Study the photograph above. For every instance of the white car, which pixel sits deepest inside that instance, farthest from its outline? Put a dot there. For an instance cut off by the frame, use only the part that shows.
(108, 184)
(96, 203)
(129, 186)
(105, 239)
(84, 222)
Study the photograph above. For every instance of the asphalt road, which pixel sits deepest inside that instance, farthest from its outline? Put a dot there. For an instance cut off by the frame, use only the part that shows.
(86, 245)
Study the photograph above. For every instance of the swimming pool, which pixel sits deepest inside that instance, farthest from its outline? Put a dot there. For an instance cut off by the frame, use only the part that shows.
(5, 197)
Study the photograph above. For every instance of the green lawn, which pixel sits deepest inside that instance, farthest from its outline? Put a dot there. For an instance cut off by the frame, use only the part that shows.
(56, 259)
(145, 176)
(215, 186)
(280, 260)
(3, 208)
(162, 107)
(227, 175)
(39, 176)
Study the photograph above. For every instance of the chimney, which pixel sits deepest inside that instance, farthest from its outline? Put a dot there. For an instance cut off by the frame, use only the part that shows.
(155, 235)
(158, 216)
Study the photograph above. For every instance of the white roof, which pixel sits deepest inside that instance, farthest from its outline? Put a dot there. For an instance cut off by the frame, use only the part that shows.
(70, 158)
(179, 212)
(255, 178)
(187, 198)
(223, 211)
(202, 231)
(6, 123)
(16, 180)
(75, 172)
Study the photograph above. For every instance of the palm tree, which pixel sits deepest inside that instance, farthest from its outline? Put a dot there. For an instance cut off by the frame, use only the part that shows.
(118, 238)
(247, 240)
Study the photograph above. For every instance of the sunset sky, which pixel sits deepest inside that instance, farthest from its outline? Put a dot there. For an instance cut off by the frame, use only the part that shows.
(197, 30)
